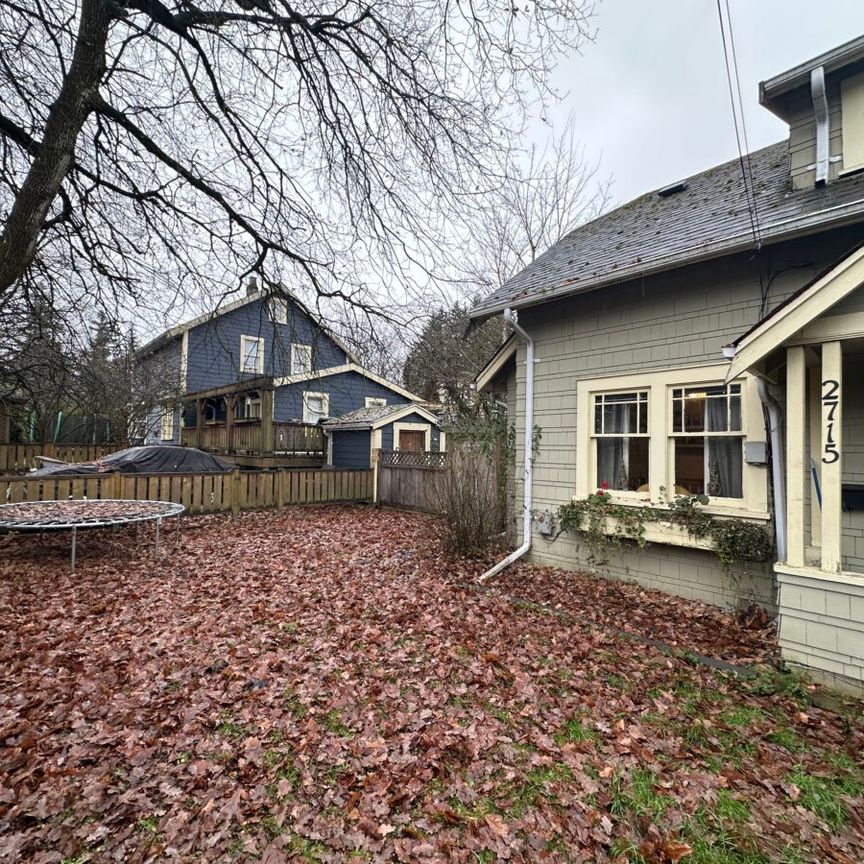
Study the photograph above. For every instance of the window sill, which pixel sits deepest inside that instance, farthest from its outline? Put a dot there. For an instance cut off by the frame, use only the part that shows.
(731, 510)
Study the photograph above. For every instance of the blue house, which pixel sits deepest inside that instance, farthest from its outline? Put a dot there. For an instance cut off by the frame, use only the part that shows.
(257, 378)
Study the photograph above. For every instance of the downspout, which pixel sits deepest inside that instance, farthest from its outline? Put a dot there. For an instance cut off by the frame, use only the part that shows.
(777, 455)
(820, 109)
(513, 319)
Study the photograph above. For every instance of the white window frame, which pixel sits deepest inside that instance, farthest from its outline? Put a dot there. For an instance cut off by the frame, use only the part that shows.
(325, 404)
(259, 357)
(426, 428)
(298, 350)
(248, 403)
(166, 424)
(595, 436)
(704, 434)
(661, 448)
(375, 402)
(277, 310)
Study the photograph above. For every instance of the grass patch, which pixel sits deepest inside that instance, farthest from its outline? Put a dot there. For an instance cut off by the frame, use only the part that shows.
(637, 795)
(741, 716)
(147, 825)
(306, 850)
(574, 731)
(332, 722)
(228, 728)
(293, 705)
(788, 739)
(822, 795)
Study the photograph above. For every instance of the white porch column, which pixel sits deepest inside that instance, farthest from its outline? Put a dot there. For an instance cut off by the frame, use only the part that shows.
(831, 454)
(796, 470)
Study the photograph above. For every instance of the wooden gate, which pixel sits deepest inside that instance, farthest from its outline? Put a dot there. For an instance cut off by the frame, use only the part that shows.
(407, 478)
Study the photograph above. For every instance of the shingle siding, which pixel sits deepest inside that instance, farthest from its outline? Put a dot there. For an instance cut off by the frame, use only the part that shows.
(683, 318)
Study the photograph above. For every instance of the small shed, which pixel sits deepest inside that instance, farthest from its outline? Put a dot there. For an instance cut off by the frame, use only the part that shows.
(352, 438)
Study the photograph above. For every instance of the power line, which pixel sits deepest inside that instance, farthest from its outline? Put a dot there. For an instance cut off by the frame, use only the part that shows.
(740, 129)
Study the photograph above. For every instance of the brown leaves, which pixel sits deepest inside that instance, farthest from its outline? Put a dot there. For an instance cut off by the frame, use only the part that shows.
(317, 683)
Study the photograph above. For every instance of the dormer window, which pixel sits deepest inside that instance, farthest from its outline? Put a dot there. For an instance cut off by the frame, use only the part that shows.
(852, 114)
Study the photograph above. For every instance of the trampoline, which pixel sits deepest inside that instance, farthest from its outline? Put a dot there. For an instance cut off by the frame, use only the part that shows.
(71, 515)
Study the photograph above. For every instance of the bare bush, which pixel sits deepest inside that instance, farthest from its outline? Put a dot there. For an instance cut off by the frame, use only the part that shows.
(467, 494)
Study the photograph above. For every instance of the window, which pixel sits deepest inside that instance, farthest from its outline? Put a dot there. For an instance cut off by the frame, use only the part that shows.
(249, 407)
(316, 406)
(251, 354)
(375, 402)
(621, 440)
(652, 436)
(301, 359)
(278, 310)
(166, 431)
(708, 445)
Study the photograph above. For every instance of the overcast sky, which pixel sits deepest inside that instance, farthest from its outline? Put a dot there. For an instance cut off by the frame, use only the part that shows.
(650, 94)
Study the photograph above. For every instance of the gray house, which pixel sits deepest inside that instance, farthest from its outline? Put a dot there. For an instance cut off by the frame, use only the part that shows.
(256, 379)
(696, 341)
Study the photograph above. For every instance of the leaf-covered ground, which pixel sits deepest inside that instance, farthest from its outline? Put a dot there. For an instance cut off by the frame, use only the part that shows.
(321, 685)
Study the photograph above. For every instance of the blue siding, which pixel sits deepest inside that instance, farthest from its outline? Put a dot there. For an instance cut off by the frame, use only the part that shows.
(347, 391)
(351, 448)
(387, 431)
(214, 346)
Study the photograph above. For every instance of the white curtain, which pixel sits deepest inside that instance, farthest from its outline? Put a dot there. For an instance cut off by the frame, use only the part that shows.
(725, 457)
(612, 466)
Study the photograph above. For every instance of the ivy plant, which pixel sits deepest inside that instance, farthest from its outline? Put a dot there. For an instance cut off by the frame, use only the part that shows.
(605, 524)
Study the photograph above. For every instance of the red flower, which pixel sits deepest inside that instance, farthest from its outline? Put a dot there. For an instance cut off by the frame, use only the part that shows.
(603, 486)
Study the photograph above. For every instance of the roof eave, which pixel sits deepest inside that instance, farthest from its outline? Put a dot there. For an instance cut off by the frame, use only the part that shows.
(800, 227)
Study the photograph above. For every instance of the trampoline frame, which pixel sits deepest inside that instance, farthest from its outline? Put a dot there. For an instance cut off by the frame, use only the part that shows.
(167, 509)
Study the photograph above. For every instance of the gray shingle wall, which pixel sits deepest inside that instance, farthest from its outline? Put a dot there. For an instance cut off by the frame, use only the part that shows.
(679, 319)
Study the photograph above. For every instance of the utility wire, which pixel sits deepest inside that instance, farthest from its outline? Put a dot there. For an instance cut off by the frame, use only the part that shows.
(743, 157)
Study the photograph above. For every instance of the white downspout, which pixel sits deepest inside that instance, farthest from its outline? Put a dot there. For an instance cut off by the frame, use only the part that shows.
(820, 109)
(513, 319)
(777, 458)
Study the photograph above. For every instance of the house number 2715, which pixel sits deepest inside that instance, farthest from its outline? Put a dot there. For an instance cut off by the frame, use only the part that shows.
(830, 400)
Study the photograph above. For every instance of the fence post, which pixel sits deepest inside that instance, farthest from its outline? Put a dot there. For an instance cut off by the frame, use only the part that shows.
(280, 488)
(49, 449)
(235, 492)
(376, 460)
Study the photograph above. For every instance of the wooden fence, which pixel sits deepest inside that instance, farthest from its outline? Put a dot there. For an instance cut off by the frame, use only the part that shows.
(407, 479)
(201, 493)
(22, 457)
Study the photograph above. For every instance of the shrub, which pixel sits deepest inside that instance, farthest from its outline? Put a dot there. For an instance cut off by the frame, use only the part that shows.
(467, 494)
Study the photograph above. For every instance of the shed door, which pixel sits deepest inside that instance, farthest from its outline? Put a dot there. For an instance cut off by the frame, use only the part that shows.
(413, 441)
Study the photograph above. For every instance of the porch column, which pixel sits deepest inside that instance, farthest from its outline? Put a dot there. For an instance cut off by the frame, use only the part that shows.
(199, 421)
(230, 409)
(796, 471)
(831, 455)
(267, 443)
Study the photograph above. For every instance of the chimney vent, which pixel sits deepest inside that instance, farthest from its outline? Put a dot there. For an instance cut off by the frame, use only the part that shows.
(252, 285)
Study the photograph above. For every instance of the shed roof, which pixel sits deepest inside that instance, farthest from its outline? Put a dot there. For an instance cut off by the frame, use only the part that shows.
(710, 217)
(378, 415)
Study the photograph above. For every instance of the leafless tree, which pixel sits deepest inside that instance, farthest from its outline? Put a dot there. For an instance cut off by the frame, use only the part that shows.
(545, 194)
(153, 146)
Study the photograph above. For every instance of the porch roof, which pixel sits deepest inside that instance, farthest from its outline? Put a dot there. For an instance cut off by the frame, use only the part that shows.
(377, 416)
(258, 382)
(789, 319)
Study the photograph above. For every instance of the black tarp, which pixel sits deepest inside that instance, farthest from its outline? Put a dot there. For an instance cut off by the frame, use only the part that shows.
(157, 459)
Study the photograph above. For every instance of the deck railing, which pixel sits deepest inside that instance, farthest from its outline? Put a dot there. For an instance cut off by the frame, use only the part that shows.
(250, 437)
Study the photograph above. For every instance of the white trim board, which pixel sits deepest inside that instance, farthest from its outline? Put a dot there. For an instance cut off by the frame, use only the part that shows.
(497, 362)
(339, 370)
(787, 321)
(425, 428)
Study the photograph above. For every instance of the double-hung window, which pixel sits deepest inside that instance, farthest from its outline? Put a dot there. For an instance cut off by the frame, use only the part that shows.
(251, 354)
(621, 440)
(707, 440)
(376, 402)
(316, 406)
(301, 358)
(278, 310)
(657, 435)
